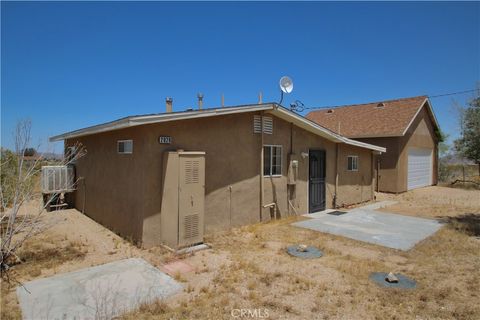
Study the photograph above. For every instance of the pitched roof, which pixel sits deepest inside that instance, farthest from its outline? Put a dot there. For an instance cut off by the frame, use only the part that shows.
(389, 118)
(271, 108)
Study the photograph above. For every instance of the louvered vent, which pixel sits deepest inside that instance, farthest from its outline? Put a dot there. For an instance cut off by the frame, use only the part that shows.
(267, 124)
(191, 171)
(191, 226)
(257, 125)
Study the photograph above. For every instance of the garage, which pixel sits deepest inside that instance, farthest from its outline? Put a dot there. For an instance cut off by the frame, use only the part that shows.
(419, 168)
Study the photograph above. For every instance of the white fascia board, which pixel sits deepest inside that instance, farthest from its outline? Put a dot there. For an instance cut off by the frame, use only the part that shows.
(364, 145)
(429, 106)
(109, 126)
(149, 119)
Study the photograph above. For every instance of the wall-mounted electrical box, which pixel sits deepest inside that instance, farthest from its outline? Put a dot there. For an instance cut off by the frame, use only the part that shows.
(292, 173)
(183, 198)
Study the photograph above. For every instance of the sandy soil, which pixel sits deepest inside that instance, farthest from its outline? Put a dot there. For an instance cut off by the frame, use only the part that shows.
(248, 268)
(434, 202)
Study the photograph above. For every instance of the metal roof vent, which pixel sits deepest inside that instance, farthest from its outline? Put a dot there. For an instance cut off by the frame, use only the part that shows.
(381, 105)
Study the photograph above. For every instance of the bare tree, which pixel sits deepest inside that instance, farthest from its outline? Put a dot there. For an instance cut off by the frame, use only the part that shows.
(16, 189)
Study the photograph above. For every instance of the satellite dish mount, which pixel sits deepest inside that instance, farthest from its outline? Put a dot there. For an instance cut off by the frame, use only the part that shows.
(286, 86)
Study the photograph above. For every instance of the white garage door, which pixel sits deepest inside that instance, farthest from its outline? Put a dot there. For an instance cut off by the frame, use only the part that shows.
(419, 168)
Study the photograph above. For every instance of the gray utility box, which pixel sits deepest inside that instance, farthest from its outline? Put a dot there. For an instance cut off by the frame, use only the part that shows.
(183, 198)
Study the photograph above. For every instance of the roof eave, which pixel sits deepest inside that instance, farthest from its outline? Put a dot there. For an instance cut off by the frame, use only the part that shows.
(272, 108)
(150, 119)
(315, 128)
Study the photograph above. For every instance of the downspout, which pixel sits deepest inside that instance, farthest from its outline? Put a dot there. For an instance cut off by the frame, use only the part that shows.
(261, 167)
(372, 170)
(378, 173)
(335, 196)
(289, 187)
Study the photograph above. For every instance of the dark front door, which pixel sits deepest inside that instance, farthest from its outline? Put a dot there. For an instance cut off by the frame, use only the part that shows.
(316, 181)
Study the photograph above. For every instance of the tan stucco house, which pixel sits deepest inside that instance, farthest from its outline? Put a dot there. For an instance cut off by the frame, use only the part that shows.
(252, 162)
(406, 127)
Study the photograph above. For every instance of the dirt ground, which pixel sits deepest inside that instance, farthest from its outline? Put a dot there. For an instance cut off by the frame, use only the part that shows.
(247, 268)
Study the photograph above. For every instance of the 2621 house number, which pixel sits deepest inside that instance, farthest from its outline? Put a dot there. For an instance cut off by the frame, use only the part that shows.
(165, 140)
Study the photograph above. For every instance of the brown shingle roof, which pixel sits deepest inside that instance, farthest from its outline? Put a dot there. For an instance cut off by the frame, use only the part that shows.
(370, 119)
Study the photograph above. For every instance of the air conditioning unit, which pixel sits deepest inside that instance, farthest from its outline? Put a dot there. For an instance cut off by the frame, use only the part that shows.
(58, 179)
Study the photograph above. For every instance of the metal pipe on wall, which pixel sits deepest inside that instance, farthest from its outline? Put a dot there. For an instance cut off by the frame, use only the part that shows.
(335, 196)
(261, 166)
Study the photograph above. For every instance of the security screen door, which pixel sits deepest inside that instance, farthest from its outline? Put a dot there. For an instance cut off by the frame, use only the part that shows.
(316, 181)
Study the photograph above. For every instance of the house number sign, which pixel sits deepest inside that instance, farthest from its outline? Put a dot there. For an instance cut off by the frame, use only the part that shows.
(165, 140)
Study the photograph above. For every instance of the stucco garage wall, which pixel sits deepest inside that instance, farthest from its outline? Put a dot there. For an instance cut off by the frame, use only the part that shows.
(421, 134)
(388, 177)
(394, 163)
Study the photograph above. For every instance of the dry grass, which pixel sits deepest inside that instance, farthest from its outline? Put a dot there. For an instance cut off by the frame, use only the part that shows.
(249, 268)
(259, 274)
(38, 254)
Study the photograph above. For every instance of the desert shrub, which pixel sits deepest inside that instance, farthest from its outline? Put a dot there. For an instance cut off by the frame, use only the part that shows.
(450, 172)
(8, 176)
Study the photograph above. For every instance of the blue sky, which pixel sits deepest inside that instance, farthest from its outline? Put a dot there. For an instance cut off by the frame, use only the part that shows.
(70, 65)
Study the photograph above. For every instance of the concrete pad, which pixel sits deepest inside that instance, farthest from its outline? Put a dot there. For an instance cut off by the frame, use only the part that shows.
(385, 229)
(373, 206)
(100, 292)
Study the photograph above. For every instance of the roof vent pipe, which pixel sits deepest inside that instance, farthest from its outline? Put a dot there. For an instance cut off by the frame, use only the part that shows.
(200, 100)
(169, 104)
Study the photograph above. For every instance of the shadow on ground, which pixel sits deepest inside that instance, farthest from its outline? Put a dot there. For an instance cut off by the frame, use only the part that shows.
(468, 223)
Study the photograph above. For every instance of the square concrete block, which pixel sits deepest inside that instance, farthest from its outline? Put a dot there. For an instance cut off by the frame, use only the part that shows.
(103, 291)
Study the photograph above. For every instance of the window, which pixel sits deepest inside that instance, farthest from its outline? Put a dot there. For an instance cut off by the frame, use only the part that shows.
(352, 163)
(125, 146)
(272, 160)
(267, 124)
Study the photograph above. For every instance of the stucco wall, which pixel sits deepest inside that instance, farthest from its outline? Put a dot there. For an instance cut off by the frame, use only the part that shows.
(421, 134)
(388, 176)
(354, 186)
(110, 185)
(394, 163)
(124, 191)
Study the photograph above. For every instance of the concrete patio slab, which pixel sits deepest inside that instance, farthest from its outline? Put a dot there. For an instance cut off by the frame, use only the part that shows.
(385, 229)
(100, 292)
(373, 206)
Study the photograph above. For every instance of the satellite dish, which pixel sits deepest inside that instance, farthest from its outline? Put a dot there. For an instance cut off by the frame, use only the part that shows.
(286, 84)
